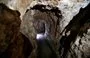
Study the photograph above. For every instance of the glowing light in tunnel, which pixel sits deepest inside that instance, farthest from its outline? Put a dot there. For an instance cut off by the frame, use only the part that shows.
(41, 36)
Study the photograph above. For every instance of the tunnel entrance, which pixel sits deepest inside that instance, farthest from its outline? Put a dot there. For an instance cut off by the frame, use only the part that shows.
(40, 29)
(46, 23)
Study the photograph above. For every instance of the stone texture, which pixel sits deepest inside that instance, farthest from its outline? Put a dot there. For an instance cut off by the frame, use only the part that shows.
(69, 8)
(13, 44)
(32, 20)
(28, 30)
(77, 27)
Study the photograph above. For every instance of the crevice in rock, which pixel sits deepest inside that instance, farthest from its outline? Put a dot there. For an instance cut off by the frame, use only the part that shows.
(78, 26)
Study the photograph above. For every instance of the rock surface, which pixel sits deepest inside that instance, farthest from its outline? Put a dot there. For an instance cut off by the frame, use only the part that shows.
(77, 27)
(69, 8)
(13, 44)
(34, 18)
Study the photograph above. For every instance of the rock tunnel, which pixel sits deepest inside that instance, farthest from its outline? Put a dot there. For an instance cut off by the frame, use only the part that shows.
(45, 29)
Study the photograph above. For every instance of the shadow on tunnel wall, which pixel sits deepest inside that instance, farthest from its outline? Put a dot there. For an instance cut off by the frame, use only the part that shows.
(78, 26)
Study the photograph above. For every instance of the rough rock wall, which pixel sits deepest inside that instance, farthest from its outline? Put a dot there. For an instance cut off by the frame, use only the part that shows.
(77, 27)
(51, 18)
(20, 5)
(13, 44)
(5, 21)
(69, 8)
(28, 30)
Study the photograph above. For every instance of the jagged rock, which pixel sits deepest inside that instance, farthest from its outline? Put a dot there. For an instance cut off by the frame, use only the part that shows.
(69, 8)
(78, 26)
(13, 44)
(39, 17)
(28, 30)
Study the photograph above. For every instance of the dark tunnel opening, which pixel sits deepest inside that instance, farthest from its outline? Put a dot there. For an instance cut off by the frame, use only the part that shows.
(50, 41)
